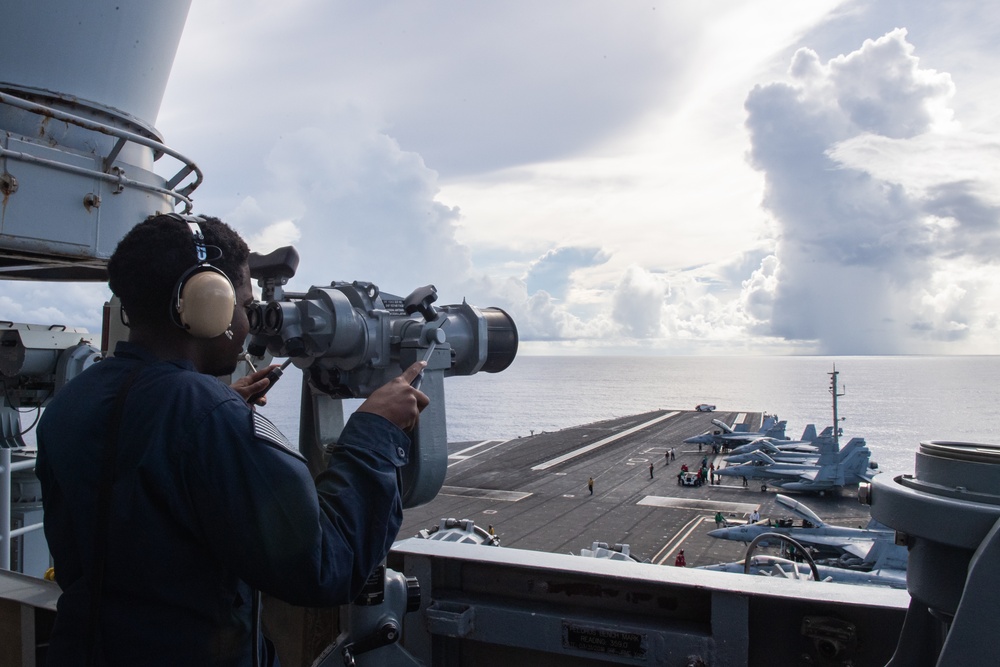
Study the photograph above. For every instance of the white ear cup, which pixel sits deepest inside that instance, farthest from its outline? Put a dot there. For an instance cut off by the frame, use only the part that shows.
(206, 303)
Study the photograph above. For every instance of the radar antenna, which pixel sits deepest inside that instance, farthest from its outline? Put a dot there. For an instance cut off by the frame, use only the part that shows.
(835, 394)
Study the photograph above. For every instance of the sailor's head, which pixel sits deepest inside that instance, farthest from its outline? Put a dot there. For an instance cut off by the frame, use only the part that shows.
(154, 261)
(144, 269)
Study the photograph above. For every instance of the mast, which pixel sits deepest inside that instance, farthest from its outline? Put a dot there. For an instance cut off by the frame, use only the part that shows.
(833, 392)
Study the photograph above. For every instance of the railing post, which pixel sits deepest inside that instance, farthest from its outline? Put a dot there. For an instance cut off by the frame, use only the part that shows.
(5, 543)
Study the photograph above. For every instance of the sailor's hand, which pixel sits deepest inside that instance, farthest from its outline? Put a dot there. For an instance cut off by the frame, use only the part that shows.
(397, 400)
(248, 385)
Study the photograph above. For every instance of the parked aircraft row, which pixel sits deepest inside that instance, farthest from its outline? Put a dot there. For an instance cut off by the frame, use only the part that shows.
(851, 465)
(814, 463)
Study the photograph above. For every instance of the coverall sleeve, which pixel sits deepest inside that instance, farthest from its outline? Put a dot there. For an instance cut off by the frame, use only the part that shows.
(308, 543)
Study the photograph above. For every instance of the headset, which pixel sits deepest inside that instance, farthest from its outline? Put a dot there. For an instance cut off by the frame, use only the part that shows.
(203, 298)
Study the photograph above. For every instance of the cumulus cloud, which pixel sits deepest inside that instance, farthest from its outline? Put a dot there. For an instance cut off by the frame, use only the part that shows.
(277, 235)
(538, 316)
(757, 298)
(363, 208)
(552, 271)
(77, 305)
(858, 243)
(637, 302)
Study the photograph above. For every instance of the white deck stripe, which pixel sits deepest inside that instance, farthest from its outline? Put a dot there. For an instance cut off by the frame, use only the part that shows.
(678, 539)
(699, 504)
(458, 459)
(461, 452)
(487, 494)
(600, 443)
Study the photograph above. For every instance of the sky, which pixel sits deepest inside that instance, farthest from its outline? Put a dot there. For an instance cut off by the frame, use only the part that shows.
(740, 177)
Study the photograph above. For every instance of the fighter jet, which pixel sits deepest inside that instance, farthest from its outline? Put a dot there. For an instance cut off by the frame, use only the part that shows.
(776, 566)
(871, 548)
(808, 443)
(726, 435)
(831, 470)
(782, 454)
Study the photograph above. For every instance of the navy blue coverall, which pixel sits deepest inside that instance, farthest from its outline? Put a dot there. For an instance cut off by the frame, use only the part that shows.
(208, 502)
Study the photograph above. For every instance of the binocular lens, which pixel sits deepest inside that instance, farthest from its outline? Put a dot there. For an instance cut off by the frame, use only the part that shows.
(273, 318)
(255, 317)
(502, 340)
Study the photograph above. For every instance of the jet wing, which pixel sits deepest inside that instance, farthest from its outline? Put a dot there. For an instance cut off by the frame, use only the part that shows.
(859, 548)
(790, 472)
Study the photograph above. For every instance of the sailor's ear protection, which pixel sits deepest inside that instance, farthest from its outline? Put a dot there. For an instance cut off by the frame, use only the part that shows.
(204, 297)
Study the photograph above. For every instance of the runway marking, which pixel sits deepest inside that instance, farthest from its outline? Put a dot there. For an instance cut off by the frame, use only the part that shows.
(698, 504)
(600, 443)
(472, 447)
(487, 494)
(460, 456)
(678, 539)
(739, 419)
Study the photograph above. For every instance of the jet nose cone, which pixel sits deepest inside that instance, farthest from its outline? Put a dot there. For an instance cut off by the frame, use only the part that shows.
(719, 532)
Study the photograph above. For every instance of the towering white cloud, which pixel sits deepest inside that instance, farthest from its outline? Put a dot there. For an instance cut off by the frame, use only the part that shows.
(859, 243)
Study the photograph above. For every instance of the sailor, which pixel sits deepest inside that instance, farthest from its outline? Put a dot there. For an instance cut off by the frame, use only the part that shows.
(679, 561)
(202, 501)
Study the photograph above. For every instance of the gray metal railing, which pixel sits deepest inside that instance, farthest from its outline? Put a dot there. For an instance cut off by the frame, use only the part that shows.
(110, 173)
(7, 534)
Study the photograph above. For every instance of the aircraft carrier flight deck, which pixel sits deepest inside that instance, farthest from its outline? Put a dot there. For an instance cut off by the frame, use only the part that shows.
(534, 490)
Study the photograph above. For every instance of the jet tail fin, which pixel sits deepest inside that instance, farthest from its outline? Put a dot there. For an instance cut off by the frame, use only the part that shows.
(777, 430)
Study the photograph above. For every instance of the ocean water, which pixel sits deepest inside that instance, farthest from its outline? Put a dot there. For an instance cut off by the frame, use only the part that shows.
(892, 402)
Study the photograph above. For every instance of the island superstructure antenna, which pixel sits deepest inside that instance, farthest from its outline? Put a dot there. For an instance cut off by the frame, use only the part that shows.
(833, 392)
